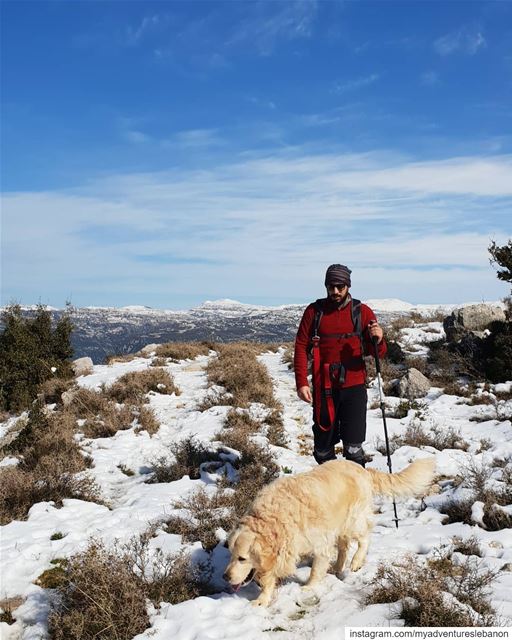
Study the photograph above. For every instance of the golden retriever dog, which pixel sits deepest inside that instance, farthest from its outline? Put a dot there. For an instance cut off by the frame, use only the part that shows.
(314, 513)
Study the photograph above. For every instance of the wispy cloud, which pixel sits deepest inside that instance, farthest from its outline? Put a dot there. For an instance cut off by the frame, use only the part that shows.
(466, 41)
(429, 78)
(266, 23)
(269, 221)
(195, 138)
(147, 26)
(355, 84)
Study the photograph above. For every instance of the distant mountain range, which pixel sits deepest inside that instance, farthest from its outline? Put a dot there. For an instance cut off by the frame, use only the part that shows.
(101, 331)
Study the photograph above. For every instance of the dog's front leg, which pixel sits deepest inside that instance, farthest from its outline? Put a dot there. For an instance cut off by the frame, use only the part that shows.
(318, 570)
(268, 584)
(343, 545)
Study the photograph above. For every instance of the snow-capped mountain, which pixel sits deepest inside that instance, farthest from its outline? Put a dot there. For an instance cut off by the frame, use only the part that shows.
(103, 331)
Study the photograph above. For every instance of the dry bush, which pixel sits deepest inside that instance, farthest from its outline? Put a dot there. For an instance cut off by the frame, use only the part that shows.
(237, 419)
(104, 594)
(468, 547)
(104, 417)
(438, 593)
(275, 431)
(417, 362)
(133, 387)
(177, 351)
(187, 456)
(416, 436)
(237, 370)
(431, 316)
(50, 460)
(456, 387)
(125, 357)
(288, 353)
(477, 478)
(206, 514)
(49, 481)
(389, 372)
(52, 389)
(146, 419)
(158, 362)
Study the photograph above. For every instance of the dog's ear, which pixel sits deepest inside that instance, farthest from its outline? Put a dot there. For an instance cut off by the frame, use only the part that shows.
(264, 555)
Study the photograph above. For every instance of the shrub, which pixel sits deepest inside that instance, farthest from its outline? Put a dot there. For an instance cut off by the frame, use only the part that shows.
(188, 455)
(183, 350)
(497, 348)
(50, 460)
(133, 387)
(437, 593)
(477, 478)
(29, 349)
(207, 514)
(103, 595)
(416, 435)
(237, 370)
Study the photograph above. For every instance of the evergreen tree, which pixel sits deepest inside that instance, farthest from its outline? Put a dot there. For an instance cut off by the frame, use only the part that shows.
(30, 353)
(502, 256)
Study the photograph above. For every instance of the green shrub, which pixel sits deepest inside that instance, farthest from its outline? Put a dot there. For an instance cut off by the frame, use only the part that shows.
(29, 349)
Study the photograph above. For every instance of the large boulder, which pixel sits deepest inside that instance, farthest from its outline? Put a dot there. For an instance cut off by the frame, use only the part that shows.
(474, 318)
(413, 385)
(82, 366)
(149, 349)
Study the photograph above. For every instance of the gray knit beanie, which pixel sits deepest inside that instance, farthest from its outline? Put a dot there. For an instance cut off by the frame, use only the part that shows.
(337, 274)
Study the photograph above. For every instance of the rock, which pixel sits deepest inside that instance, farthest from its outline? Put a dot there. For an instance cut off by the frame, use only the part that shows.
(149, 349)
(82, 366)
(413, 385)
(474, 318)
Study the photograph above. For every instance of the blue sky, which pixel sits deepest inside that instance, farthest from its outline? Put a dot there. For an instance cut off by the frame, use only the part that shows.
(166, 153)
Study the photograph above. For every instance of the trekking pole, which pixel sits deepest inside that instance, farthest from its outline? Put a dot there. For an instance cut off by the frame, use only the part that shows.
(381, 398)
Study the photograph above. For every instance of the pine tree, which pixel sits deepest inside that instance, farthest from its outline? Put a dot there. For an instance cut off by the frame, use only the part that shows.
(30, 353)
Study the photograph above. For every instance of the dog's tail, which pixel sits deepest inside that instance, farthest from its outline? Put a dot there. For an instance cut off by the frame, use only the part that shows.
(411, 481)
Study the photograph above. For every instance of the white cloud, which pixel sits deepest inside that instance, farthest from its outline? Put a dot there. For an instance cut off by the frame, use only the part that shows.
(268, 221)
(357, 83)
(266, 23)
(464, 41)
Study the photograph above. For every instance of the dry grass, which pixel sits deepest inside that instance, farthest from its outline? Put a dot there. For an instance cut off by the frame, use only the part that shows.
(52, 389)
(440, 592)
(104, 417)
(7, 606)
(186, 457)
(177, 351)
(416, 435)
(207, 513)
(103, 593)
(237, 370)
(50, 460)
(288, 353)
(126, 357)
(478, 478)
(133, 387)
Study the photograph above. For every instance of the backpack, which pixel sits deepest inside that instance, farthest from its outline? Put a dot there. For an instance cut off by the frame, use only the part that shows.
(322, 376)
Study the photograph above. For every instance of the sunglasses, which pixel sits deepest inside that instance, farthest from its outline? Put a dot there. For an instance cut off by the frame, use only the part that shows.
(338, 286)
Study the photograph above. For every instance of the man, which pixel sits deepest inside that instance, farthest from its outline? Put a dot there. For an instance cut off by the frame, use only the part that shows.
(337, 332)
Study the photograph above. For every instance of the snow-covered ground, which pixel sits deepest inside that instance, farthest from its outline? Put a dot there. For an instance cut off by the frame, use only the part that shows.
(27, 548)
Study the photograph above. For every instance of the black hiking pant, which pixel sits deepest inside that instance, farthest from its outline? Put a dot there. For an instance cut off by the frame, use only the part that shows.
(349, 426)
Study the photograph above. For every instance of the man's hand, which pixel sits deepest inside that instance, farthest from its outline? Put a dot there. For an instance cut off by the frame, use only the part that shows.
(374, 329)
(304, 393)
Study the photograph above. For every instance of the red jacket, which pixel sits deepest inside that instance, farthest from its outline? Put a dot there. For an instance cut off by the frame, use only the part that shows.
(334, 349)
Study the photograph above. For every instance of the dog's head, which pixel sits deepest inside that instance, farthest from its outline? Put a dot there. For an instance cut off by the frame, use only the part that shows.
(248, 560)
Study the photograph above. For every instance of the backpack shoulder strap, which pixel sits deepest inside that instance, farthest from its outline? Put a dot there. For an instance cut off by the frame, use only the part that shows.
(319, 312)
(357, 322)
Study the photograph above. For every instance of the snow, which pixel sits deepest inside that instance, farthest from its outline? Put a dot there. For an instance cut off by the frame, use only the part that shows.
(27, 548)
